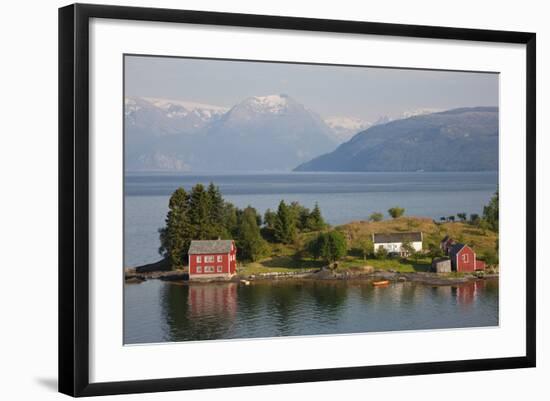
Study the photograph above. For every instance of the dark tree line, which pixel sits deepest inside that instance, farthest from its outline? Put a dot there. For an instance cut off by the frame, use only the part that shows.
(290, 219)
(203, 214)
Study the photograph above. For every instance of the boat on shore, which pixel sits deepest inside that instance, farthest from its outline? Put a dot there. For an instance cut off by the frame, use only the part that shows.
(380, 283)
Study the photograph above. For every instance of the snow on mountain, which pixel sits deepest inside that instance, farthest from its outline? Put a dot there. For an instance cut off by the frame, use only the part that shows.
(269, 133)
(344, 127)
(180, 108)
(406, 114)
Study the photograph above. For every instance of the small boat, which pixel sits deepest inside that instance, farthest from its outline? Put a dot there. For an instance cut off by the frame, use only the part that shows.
(380, 283)
(245, 282)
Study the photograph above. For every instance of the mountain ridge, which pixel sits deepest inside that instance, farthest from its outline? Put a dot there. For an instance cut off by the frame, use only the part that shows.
(462, 139)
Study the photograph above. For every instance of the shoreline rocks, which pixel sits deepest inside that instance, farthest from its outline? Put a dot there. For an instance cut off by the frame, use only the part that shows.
(366, 273)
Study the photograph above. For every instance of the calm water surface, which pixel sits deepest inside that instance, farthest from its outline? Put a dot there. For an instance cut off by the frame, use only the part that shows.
(343, 197)
(157, 311)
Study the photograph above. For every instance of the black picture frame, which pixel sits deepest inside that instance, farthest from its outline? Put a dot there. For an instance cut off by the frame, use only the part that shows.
(74, 198)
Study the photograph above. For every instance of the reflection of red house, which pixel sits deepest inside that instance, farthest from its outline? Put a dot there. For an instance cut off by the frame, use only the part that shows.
(212, 258)
(463, 259)
(218, 300)
(467, 293)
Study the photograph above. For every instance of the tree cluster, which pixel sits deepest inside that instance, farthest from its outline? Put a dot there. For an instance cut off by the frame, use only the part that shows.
(290, 219)
(203, 214)
(329, 246)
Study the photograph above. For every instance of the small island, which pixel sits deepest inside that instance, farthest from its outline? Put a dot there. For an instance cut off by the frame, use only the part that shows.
(206, 238)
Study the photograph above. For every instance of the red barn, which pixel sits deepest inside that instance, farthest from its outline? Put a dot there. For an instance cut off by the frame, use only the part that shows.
(212, 258)
(463, 259)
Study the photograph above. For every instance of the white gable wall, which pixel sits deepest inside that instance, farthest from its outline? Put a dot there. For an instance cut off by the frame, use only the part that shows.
(396, 246)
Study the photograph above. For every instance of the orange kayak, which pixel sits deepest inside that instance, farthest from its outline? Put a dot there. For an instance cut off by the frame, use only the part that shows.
(379, 283)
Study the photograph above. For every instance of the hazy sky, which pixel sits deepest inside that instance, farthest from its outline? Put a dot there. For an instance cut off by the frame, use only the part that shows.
(363, 92)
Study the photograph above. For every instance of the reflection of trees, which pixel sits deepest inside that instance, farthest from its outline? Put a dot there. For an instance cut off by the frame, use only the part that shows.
(329, 297)
(199, 311)
(283, 301)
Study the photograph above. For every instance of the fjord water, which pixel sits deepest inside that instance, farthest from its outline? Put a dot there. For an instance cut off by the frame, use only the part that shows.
(342, 197)
(158, 311)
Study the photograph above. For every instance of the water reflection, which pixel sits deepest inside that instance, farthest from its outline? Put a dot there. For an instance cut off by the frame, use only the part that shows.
(199, 312)
(161, 311)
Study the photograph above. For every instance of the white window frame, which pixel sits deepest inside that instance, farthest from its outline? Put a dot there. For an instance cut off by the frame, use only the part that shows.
(219, 258)
(208, 259)
(199, 269)
(219, 269)
(209, 269)
(199, 259)
(465, 258)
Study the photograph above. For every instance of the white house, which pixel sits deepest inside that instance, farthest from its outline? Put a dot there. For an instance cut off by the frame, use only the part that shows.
(393, 242)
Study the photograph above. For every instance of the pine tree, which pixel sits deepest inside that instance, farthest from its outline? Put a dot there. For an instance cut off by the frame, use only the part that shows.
(216, 208)
(175, 237)
(199, 213)
(250, 242)
(490, 212)
(315, 221)
(285, 225)
(270, 218)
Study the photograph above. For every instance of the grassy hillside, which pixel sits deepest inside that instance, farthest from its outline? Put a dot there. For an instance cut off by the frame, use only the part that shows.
(288, 258)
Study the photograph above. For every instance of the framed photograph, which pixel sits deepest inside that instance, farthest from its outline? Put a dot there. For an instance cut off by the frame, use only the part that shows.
(251, 199)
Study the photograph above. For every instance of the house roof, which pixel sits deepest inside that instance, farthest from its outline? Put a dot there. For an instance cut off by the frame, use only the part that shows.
(397, 237)
(456, 248)
(210, 246)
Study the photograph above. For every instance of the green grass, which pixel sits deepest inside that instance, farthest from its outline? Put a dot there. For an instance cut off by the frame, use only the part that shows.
(281, 257)
(397, 264)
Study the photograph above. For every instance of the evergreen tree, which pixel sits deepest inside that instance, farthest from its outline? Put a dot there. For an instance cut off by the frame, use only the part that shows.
(490, 212)
(230, 220)
(285, 224)
(216, 206)
(249, 242)
(175, 237)
(199, 214)
(270, 218)
(299, 214)
(315, 221)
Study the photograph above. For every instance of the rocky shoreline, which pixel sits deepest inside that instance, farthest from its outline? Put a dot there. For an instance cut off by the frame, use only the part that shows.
(143, 273)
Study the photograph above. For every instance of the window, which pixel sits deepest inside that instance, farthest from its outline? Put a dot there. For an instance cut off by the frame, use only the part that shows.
(219, 268)
(208, 259)
(209, 269)
(198, 259)
(465, 258)
(220, 258)
(199, 269)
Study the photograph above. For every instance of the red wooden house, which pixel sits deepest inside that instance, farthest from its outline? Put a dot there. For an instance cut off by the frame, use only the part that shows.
(212, 258)
(463, 259)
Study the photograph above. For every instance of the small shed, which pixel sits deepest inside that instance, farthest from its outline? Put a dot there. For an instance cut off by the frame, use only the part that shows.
(441, 265)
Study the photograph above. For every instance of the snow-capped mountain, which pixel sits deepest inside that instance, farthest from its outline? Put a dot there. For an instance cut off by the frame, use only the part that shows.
(272, 132)
(344, 127)
(165, 116)
(268, 133)
(406, 114)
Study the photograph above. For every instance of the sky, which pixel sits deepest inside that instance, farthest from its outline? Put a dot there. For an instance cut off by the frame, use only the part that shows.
(363, 92)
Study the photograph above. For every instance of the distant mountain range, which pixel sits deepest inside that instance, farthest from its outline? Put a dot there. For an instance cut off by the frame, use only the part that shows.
(277, 133)
(261, 133)
(464, 139)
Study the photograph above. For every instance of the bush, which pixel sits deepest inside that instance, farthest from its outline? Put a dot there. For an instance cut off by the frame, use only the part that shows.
(396, 212)
(381, 253)
(376, 216)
